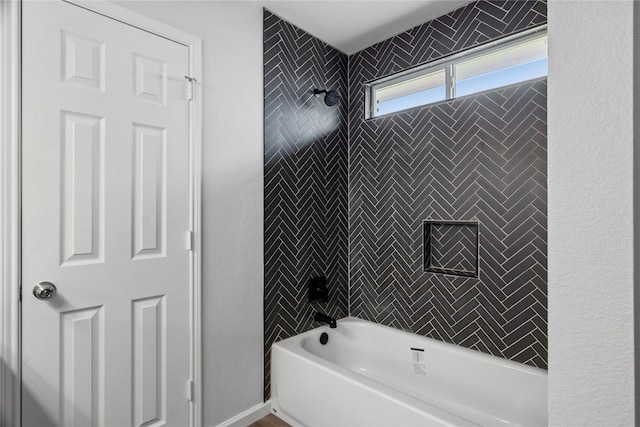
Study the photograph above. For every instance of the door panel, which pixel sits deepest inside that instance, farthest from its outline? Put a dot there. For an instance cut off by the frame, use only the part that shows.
(149, 356)
(105, 218)
(82, 367)
(82, 193)
(149, 191)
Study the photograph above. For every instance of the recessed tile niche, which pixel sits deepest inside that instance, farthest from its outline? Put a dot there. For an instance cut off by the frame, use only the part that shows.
(451, 247)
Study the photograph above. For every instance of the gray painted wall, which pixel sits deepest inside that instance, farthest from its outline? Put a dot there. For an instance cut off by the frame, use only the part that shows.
(591, 213)
(232, 196)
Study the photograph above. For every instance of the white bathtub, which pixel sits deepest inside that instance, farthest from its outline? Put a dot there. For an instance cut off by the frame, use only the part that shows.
(368, 375)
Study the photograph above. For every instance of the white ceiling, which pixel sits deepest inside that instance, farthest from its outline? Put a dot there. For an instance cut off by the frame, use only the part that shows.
(352, 25)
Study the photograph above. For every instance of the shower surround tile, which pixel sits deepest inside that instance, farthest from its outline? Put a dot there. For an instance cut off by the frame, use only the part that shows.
(481, 157)
(305, 180)
(358, 215)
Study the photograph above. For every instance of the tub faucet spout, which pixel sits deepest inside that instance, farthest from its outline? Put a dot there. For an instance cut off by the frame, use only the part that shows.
(323, 318)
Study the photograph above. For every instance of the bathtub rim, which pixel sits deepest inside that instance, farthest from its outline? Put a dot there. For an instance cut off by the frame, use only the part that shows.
(476, 354)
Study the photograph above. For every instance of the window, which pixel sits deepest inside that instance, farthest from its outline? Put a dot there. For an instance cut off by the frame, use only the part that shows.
(515, 59)
(412, 92)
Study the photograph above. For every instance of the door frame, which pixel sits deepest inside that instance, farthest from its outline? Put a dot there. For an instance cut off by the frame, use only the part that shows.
(10, 198)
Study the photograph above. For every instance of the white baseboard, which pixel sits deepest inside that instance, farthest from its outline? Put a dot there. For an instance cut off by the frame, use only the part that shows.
(249, 416)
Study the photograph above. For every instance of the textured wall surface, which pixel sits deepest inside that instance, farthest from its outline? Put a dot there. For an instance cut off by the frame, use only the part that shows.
(481, 157)
(305, 189)
(593, 179)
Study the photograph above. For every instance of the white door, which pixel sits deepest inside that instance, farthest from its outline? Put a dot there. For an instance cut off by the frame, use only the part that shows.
(105, 219)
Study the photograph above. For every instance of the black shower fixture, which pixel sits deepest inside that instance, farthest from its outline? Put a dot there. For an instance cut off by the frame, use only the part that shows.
(331, 97)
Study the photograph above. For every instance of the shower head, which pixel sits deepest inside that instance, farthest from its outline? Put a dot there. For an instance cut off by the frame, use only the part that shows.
(331, 97)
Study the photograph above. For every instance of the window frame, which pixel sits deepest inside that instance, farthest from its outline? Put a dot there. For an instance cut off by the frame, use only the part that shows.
(448, 64)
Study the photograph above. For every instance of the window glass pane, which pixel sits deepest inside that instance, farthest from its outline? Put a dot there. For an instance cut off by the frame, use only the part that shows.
(502, 67)
(477, 70)
(410, 93)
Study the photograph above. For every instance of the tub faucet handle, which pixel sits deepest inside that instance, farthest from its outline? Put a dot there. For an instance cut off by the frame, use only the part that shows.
(318, 291)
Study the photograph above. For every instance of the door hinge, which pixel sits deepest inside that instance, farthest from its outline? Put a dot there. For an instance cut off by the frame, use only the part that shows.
(191, 81)
(20, 293)
(190, 391)
(190, 240)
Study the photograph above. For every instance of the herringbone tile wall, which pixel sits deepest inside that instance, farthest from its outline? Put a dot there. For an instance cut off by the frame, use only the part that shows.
(481, 157)
(305, 167)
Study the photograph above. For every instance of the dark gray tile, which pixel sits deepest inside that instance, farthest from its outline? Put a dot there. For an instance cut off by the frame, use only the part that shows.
(480, 157)
(305, 180)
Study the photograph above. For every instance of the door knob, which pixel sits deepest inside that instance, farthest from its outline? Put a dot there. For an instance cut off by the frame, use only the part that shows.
(44, 290)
